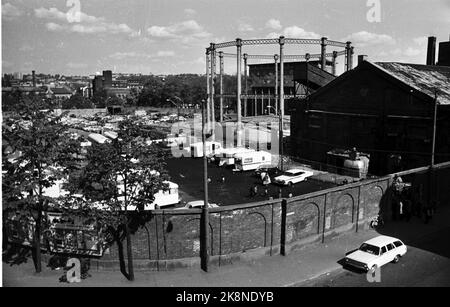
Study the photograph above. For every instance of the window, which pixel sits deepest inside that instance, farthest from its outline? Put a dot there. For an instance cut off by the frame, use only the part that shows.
(248, 160)
(390, 247)
(398, 243)
(370, 249)
(383, 250)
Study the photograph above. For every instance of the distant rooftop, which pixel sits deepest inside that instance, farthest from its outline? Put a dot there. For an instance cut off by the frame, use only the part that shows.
(424, 78)
(60, 91)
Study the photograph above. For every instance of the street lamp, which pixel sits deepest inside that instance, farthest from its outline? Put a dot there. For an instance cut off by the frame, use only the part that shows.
(204, 224)
(280, 131)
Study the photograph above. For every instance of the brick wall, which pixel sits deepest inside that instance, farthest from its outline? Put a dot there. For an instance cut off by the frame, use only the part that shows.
(172, 237)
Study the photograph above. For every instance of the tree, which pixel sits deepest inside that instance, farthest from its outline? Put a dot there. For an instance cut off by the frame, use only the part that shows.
(132, 98)
(77, 101)
(37, 152)
(99, 98)
(121, 177)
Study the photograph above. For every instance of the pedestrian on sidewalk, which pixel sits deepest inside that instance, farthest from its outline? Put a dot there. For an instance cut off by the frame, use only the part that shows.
(428, 214)
(401, 210)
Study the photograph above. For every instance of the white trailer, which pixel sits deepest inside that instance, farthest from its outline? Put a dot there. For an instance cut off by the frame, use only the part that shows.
(98, 138)
(251, 160)
(228, 154)
(111, 134)
(195, 150)
(163, 198)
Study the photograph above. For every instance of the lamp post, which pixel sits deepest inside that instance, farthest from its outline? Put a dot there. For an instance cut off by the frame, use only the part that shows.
(204, 221)
(280, 131)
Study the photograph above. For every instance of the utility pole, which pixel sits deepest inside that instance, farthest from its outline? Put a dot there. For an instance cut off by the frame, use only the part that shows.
(433, 148)
(245, 82)
(281, 110)
(238, 92)
(221, 84)
(204, 224)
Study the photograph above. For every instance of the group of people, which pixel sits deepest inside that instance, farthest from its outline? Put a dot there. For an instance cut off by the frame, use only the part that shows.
(407, 202)
(254, 192)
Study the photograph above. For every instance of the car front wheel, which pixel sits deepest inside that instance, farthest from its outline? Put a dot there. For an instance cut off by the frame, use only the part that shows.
(373, 268)
(396, 259)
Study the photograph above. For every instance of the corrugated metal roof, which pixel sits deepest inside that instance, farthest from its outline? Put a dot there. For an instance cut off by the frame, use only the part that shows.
(424, 78)
(60, 91)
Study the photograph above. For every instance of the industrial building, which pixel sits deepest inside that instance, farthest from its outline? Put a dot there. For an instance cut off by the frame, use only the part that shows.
(112, 87)
(388, 110)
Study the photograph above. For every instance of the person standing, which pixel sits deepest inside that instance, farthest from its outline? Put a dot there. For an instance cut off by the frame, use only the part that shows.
(266, 179)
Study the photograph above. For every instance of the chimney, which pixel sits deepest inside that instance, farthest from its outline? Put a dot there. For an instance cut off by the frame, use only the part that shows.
(362, 58)
(34, 78)
(431, 51)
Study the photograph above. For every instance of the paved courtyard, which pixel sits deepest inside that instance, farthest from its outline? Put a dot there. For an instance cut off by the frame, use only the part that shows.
(188, 174)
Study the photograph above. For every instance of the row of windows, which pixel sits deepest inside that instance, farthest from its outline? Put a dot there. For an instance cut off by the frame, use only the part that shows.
(390, 246)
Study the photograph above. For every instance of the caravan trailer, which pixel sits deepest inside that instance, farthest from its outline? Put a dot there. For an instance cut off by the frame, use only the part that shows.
(251, 160)
(227, 155)
(163, 198)
(196, 149)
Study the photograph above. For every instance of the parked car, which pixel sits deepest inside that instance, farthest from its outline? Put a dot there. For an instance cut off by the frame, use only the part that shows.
(376, 252)
(293, 176)
(196, 204)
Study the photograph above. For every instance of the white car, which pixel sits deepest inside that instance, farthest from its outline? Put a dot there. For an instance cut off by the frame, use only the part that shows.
(196, 204)
(376, 252)
(293, 176)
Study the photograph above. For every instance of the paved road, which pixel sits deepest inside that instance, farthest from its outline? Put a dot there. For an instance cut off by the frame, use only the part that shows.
(187, 172)
(427, 263)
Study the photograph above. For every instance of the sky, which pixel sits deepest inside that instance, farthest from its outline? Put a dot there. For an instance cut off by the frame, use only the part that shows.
(83, 37)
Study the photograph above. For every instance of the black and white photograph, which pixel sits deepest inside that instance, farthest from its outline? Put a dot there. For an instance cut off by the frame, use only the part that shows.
(225, 149)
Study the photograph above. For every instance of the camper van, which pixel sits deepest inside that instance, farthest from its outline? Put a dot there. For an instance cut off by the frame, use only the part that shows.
(227, 155)
(251, 160)
(196, 149)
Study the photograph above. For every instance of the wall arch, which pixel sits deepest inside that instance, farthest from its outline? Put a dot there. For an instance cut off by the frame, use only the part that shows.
(343, 210)
(250, 232)
(308, 219)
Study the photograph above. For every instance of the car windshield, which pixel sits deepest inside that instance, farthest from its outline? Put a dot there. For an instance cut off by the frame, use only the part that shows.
(371, 249)
(293, 173)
